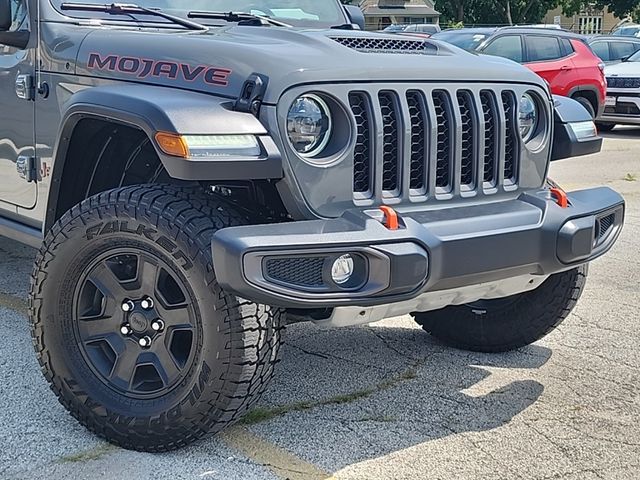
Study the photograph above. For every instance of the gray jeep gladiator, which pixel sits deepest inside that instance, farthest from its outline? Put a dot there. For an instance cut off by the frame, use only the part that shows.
(196, 174)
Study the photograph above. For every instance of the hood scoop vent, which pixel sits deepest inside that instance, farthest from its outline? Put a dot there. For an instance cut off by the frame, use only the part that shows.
(387, 45)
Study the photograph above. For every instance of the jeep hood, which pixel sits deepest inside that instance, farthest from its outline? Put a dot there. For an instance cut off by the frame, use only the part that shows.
(624, 69)
(220, 60)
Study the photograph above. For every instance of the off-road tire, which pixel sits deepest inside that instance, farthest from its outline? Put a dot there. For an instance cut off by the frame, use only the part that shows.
(605, 127)
(237, 340)
(587, 105)
(507, 324)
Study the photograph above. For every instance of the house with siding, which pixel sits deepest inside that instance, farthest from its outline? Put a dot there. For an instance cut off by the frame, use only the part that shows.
(379, 14)
(589, 21)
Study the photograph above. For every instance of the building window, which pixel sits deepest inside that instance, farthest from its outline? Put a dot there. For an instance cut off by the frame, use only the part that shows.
(590, 25)
(410, 20)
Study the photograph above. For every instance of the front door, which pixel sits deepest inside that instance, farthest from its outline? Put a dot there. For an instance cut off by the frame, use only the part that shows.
(16, 116)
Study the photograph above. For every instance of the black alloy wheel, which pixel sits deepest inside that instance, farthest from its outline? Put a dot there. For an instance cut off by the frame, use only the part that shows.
(135, 323)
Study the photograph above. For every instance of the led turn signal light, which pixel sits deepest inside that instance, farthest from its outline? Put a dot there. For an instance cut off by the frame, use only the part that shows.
(172, 144)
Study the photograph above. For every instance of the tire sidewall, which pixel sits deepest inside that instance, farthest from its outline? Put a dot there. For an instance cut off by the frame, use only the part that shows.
(587, 105)
(513, 324)
(83, 239)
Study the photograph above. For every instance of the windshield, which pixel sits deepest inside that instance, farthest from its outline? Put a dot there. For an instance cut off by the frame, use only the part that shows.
(467, 40)
(395, 28)
(308, 13)
(634, 58)
(627, 31)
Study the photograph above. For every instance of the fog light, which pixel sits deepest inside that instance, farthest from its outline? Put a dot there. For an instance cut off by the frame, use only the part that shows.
(342, 269)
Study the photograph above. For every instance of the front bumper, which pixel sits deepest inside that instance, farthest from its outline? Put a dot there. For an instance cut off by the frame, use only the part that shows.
(289, 264)
(626, 110)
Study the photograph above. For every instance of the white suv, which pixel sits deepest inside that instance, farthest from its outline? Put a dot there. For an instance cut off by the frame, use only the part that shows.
(622, 105)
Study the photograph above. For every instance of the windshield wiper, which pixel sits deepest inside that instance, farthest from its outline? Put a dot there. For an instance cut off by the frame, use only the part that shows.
(344, 26)
(130, 8)
(239, 17)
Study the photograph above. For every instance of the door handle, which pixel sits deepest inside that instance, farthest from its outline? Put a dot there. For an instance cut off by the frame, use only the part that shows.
(565, 68)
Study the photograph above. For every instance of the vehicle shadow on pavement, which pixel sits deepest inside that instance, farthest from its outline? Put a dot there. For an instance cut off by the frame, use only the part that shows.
(380, 389)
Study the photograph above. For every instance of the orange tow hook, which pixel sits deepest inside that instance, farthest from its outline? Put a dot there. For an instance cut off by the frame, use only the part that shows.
(390, 218)
(560, 196)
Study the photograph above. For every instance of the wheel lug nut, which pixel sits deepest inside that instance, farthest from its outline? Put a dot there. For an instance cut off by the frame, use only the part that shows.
(127, 306)
(147, 303)
(157, 325)
(145, 342)
(126, 329)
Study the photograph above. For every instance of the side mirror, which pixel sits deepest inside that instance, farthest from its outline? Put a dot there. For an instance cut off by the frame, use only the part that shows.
(353, 12)
(625, 59)
(5, 15)
(18, 39)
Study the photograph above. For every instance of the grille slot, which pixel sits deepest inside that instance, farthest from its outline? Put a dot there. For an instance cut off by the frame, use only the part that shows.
(390, 151)
(303, 271)
(467, 147)
(417, 116)
(511, 139)
(442, 110)
(490, 115)
(362, 162)
(433, 143)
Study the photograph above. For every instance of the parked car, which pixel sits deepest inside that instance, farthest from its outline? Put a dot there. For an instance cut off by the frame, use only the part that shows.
(622, 105)
(467, 38)
(627, 30)
(613, 49)
(416, 29)
(562, 58)
(424, 28)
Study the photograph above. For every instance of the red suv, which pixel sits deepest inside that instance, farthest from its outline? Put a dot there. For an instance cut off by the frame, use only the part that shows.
(562, 58)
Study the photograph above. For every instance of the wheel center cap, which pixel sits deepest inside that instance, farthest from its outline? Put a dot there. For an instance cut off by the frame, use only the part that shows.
(138, 322)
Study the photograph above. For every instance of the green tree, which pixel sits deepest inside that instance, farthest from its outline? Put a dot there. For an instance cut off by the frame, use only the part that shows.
(620, 8)
(495, 12)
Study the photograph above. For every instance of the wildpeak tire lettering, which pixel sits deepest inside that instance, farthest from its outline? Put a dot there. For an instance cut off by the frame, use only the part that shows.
(146, 68)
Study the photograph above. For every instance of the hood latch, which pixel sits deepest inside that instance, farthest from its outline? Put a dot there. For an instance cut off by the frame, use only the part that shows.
(252, 94)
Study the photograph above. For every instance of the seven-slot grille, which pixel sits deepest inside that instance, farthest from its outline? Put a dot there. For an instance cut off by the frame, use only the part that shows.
(453, 142)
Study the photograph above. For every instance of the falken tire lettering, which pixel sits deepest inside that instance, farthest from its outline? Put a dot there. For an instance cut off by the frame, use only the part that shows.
(165, 243)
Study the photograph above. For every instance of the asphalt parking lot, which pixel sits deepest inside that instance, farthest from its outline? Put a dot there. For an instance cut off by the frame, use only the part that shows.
(386, 401)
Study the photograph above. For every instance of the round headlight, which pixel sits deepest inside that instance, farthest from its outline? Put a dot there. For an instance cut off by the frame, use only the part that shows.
(527, 117)
(309, 125)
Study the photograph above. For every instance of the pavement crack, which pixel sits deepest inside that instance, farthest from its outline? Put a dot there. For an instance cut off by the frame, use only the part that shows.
(388, 344)
(327, 356)
(308, 352)
(259, 415)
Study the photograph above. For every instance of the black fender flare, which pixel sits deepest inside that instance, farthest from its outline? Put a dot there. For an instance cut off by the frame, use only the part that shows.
(565, 144)
(584, 88)
(589, 88)
(159, 109)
